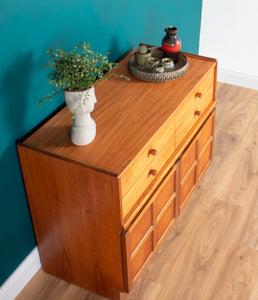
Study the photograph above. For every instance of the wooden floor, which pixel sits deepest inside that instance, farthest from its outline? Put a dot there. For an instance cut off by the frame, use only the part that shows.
(211, 253)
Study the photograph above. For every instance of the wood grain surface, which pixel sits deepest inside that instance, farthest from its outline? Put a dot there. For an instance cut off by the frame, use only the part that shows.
(211, 253)
(127, 115)
(80, 218)
(77, 229)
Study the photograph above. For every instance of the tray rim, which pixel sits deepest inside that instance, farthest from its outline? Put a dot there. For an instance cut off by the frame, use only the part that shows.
(141, 73)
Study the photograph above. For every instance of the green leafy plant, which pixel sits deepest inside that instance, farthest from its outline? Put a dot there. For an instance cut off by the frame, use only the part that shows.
(143, 49)
(77, 70)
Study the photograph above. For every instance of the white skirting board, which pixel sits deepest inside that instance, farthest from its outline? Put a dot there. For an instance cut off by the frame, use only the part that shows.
(21, 276)
(240, 79)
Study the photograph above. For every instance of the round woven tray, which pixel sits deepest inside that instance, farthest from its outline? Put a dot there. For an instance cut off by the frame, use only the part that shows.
(142, 73)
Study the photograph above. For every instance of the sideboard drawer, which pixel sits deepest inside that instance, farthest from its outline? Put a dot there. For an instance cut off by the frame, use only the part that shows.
(147, 176)
(202, 103)
(153, 151)
(184, 120)
(194, 106)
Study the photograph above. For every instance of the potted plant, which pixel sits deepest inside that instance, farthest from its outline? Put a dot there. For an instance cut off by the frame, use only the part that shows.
(75, 73)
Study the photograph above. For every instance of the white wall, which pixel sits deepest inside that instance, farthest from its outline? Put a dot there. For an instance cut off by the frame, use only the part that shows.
(229, 32)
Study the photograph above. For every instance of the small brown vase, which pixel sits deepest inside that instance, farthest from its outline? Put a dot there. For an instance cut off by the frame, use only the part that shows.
(171, 43)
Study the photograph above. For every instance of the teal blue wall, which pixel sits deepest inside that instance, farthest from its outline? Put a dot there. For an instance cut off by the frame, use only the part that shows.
(27, 29)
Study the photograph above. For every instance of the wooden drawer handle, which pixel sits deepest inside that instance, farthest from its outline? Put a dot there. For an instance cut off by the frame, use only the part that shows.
(198, 113)
(153, 152)
(198, 95)
(153, 172)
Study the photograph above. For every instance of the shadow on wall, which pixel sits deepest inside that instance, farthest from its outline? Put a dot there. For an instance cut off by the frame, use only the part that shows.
(115, 54)
(14, 214)
(16, 226)
(15, 88)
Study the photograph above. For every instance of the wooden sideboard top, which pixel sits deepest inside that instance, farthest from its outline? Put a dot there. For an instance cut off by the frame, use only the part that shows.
(127, 115)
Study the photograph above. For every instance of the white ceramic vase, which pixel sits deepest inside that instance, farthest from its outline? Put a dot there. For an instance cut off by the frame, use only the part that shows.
(81, 104)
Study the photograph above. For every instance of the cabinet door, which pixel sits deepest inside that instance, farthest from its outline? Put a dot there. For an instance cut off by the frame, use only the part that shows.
(205, 145)
(195, 160)
(150, 227)
(187, 173)
(165, 206)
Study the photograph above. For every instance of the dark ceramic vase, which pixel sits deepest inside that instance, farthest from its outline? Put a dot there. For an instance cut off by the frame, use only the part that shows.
(171, 43)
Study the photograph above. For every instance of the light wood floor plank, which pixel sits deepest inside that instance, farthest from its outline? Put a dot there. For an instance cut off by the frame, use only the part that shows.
(237, 276)
(211, 253)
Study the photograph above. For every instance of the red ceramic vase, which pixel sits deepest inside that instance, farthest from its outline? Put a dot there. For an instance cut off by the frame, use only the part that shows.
(171, 43)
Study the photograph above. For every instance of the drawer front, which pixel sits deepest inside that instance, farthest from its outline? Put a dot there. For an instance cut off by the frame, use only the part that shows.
(193, 107)
(202, 103)
(164, 138)
(147, 177)
(185, 119)
(150, 227)
(203, 94)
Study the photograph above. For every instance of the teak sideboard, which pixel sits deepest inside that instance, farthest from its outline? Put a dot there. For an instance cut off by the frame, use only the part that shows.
(101, 211)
